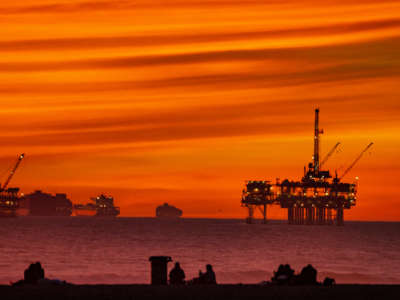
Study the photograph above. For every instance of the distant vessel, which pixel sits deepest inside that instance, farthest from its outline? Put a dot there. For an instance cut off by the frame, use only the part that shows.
(102, 206)
(44, 204)
(168, 211)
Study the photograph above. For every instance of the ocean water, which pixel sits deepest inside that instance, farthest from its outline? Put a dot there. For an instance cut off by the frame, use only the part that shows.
(101, 250)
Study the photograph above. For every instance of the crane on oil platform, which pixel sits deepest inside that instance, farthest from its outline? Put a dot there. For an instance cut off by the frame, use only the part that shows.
(330, 153)
(354, 162)
(20, 158)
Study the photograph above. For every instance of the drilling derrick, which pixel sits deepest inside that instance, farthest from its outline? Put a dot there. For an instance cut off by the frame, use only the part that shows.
(317, 132)
(316, 199)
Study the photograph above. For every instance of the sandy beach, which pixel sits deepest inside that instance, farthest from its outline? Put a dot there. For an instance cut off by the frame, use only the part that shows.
(201, 292)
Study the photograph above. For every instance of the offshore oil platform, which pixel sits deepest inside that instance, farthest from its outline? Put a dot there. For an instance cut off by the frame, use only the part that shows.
(318, 198)
(9, 198)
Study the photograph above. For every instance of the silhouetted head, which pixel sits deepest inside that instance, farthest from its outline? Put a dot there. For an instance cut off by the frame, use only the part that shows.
(177, 265)
(209, 267)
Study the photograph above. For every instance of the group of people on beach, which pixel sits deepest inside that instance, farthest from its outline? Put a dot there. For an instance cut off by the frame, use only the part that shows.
(177, 276)
(34, 274)
(285, 275)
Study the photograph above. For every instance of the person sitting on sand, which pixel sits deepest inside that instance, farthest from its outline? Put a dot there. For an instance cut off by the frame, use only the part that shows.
(34, 273)
(328, 281)
(177, 275)
(308, 276)
(284, 275)
(208, 277)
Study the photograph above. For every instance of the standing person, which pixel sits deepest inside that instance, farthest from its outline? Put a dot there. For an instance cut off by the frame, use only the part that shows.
(209, 276)
(177, 275)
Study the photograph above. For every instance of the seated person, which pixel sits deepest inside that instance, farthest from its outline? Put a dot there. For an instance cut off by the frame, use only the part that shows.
(284, 275)
(177, 275)
(308, 276)
(34, 273)
(208, 277)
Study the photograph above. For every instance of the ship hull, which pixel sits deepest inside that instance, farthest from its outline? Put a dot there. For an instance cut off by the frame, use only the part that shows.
(168, 217)
(48, 214)
(166, 211)
(94, 213)
(6, 213)
(107, 214)
(84, 213)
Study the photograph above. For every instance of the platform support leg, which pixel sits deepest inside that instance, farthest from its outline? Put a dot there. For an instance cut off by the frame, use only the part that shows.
(290, 215)
(265, 214)
(249, 219)
(339, 216)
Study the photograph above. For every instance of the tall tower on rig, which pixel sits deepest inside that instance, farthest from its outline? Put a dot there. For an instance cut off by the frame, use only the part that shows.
(317, 132)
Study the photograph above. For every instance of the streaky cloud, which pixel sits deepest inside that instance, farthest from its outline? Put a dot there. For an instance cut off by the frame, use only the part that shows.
(256, 79)
(383, 48)
(171, 39)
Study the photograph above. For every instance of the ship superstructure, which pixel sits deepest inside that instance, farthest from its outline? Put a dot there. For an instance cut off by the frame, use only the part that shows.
(101, 205)
(318, 198)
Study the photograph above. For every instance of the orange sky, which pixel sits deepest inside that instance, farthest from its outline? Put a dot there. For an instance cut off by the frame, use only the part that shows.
(182, 101)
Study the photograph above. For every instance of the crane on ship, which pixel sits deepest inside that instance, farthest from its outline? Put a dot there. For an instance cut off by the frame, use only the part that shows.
(354, 162)
(20, 158)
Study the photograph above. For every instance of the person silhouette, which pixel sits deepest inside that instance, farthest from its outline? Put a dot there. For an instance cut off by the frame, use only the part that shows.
(208, 277)
(177, 275)
(284, 275)
(329, 281)
(308, 275)
(34, 273)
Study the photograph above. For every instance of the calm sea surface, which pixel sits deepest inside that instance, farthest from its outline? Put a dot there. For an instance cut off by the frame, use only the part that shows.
(95, 250)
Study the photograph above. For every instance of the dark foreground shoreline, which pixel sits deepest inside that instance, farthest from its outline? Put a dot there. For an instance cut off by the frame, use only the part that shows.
(220, 292)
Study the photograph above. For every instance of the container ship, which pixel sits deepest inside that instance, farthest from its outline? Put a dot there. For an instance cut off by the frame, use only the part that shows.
(45, 204)
(167, 211)
(101, 206)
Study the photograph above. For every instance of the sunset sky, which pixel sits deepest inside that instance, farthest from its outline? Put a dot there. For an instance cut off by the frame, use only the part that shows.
(181, 101)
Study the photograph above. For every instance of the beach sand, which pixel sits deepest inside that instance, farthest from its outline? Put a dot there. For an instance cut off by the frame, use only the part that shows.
(100, 292)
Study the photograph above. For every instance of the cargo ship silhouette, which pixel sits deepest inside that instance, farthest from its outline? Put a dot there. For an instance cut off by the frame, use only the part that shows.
(101, 206)
(168, 211)
(45, 204)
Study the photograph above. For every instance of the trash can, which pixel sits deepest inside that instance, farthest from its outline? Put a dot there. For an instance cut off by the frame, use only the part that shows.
(159, 269)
